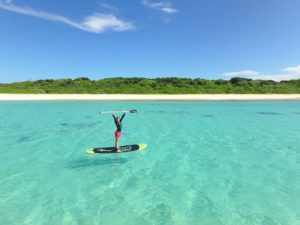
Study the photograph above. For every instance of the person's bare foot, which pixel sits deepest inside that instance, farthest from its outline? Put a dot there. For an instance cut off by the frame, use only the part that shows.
(118, 150)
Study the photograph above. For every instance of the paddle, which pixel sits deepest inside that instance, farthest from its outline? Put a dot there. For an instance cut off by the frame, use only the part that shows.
(123, 111)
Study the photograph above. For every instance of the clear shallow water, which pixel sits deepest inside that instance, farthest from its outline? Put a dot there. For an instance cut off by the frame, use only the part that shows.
(206, 163)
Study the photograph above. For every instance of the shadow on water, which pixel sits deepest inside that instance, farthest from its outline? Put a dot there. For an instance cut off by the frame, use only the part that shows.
(269, 113)
(208, 115)
(88, 162)
(24, 139)
(168, 112)
(298, 113)
(80, 125)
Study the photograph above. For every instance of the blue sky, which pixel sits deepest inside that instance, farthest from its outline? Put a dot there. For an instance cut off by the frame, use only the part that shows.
(210, 39)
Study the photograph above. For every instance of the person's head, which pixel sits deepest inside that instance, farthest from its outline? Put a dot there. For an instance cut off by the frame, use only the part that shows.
(118, 119)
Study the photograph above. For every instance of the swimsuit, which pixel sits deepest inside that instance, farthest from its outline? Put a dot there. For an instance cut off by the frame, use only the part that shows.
(118, 134)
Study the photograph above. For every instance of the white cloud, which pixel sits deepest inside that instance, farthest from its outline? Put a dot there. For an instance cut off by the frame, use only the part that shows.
(289, 73)
(277, 77)
(241, 73)
(292, 70)
(96, 23)
(169, 10)
(164, 6)
(99, 23)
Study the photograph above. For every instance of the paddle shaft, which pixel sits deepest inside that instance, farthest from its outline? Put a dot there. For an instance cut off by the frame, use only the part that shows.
(123, 111)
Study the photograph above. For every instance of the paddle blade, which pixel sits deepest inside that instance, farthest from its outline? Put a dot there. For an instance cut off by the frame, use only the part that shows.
(133, 111)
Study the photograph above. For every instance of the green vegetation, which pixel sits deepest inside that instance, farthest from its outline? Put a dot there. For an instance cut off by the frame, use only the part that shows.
(168, 85)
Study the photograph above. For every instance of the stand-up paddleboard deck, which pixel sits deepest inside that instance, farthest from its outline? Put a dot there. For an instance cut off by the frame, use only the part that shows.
(125, 148)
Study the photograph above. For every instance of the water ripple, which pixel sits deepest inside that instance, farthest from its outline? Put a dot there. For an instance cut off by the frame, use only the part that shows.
(85, 162)
(269, 113)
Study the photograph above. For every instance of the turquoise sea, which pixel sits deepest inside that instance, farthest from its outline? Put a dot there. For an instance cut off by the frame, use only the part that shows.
(207, 163)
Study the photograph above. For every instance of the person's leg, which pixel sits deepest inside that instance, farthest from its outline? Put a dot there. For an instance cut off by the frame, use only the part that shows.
(118, 144)
(117, 141)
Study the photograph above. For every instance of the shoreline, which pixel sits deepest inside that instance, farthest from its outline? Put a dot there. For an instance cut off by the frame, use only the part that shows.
(146, 97)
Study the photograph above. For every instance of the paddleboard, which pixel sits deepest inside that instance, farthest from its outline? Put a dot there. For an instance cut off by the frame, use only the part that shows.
(125, 148)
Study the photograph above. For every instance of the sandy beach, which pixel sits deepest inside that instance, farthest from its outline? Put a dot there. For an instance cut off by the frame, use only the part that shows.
(141, 97)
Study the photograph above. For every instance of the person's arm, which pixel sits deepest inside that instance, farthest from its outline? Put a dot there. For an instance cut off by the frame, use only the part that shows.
(122, 117)
(113, 115)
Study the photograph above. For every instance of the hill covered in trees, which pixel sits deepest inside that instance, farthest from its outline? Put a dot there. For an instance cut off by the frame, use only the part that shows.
(168, 85)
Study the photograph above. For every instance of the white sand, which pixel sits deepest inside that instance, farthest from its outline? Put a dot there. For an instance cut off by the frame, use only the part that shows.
(24, 97)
